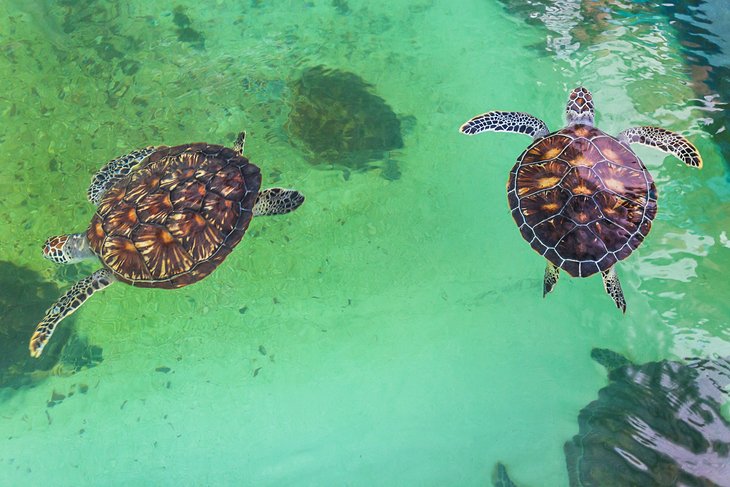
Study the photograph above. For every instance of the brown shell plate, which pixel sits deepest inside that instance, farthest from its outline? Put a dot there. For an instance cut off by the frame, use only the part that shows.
(172, 221)
(582, 199)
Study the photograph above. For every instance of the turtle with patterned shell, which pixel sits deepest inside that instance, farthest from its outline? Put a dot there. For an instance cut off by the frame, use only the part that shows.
(582, 198)
(166, 217)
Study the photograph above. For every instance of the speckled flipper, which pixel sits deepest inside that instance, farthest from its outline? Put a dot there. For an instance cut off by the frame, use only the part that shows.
(497, 121)
(552, 273)
(67, 304)
(239, 143)
(664, 140)
(113, 171)
(500, 477)
(613, 288)
(277, 201)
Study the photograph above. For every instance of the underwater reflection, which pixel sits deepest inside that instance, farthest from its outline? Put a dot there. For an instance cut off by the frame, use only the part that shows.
(655, 424)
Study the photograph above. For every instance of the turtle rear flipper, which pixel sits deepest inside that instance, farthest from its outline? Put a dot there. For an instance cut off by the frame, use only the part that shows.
(552, 274)
(277, 201)
(498, 121)
(664, 140)
(115, 170)
(500, 477)
(69, 302)
(613, 288)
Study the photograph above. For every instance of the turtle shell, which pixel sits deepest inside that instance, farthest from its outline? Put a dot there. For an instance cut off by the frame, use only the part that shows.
(582, 199)
(174, 219)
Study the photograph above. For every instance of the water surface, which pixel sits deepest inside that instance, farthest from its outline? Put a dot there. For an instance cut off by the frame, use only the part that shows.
(392, 330)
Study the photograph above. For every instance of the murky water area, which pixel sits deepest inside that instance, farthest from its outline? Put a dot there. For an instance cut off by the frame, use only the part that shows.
(392, 330)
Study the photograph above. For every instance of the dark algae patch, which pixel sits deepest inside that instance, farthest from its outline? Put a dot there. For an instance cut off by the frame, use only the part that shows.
(338, 120)
(24, 296)
(185, 32)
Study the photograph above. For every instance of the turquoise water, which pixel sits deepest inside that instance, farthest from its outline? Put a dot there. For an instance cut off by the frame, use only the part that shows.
(391, 331)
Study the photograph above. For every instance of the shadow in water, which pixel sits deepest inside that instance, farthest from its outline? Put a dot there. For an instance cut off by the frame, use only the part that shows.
(24, 297)
(337, 121)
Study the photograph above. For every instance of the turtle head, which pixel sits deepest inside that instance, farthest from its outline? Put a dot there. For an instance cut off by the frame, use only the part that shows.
(580, 107)
(67, 249)
(609, 359)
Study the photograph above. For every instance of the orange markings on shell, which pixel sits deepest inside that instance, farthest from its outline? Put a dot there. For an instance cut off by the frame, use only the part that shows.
(581, 152)
(540, 206)
(121, 220)
(229, 183)
(95, 234)
(197, 236)
(221, 212)
(613, 151)
(143, 182)
(188, 195)
(111, 199)
(582, 180)
(122, 256)
(624, 181)
(154, 208)
(539, 176)
(163, 254)
(545, 149)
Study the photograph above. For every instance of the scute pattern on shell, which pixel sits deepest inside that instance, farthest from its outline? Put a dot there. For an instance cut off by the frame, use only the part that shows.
(175, 219)
(582, 199)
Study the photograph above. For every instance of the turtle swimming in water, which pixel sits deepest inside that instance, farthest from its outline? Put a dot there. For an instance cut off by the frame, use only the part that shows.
(582, 198)
(654, 424)
(166, 217)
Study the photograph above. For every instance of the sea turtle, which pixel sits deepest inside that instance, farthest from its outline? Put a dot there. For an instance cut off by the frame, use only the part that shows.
(654, 424)
(166, 217)
(582, 198)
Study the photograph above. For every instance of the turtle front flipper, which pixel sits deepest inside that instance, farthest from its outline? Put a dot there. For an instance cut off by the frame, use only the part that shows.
(552, 273)
(498, 121)
(664, 140)
(115, 170)
(613, 288)
(277, 201)
(67, 304)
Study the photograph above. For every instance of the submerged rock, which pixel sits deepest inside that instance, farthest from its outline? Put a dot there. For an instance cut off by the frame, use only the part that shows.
(337, 121)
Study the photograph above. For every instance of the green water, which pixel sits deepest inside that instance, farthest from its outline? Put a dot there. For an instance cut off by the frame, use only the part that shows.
(389, 332)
